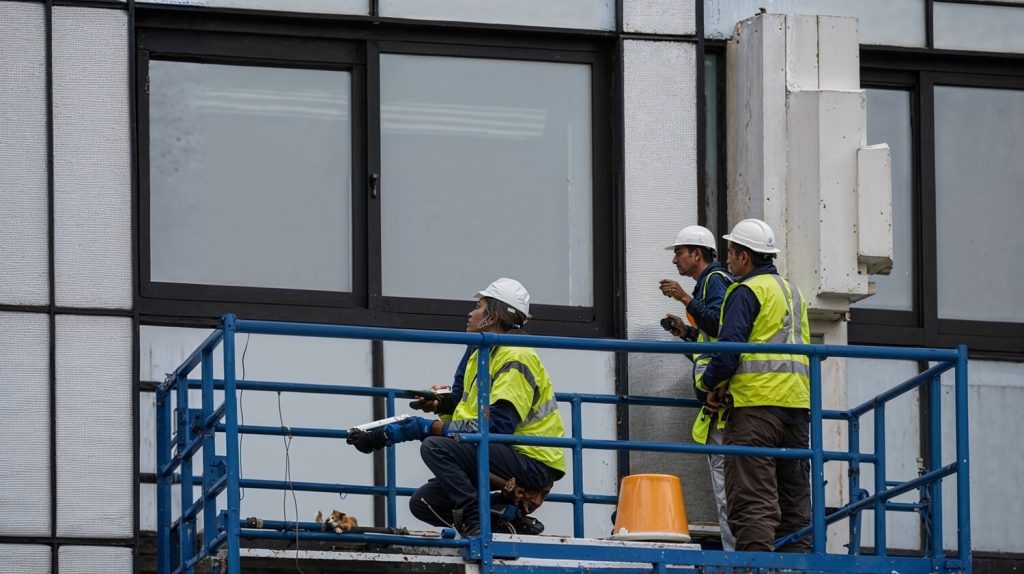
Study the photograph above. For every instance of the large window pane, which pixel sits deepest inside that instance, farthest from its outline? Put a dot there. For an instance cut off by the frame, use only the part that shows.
(889, 122)
(250, 176)
(981, 28)
(486, 172)
(583, 14)
(979, 143)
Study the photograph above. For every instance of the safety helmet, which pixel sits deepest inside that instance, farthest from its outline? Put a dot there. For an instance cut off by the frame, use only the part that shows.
(694, 235)
(755, 234)
(510, 292)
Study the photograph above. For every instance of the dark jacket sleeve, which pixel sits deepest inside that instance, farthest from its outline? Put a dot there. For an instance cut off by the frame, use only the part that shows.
(460, 374)
(738, 320)
(706, 311)
(504, 420)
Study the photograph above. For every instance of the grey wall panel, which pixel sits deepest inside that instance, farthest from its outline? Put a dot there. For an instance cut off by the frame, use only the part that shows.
(24, 252)
(92, 559)
(979, 28)
(26, 559)
(581, 14)
(94, 430)
(92, 158)
(310, 6)
(659, 16)
(25, 424)
(661, 198)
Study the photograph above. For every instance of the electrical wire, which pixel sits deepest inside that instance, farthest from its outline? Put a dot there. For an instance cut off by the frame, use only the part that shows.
(241, 413)
(287, 437)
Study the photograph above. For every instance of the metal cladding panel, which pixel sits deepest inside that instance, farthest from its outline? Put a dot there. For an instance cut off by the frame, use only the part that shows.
(309, 6)
(92, 158)
(661, 198)
(25, 425)
(677, 17)
(577, 14)
(94, 430)
(24, 255)
(26, 559)
(91, 559)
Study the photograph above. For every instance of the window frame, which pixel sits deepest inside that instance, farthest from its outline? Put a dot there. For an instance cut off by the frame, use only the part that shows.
(356, 47)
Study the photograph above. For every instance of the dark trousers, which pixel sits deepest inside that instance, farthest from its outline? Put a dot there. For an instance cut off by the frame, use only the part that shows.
(766, 497)
(454, 484)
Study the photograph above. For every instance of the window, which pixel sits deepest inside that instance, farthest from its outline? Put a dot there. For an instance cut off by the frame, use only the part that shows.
(287, 174)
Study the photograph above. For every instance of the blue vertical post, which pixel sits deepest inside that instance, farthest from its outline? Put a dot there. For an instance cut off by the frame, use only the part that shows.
(963, 477)
(577, 467)
(185, 542)
(934, 463)
(233, 512)
(209, 452)
(391, 473)
(880, 542)
(163, 482)
(854, 475)
(817, 459)
(483, 417)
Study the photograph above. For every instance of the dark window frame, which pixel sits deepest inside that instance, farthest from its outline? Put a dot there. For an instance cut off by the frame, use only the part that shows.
(356, 46)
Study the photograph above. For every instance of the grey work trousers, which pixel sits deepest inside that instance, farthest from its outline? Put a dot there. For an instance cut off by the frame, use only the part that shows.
(716, 462)
(767, 498)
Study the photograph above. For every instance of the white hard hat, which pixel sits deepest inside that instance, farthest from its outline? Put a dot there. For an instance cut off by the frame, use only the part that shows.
(694, 235)
(510, 292)
(755, 234)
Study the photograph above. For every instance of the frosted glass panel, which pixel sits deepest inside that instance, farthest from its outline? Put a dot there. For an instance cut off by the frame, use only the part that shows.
(981, 28)
(25, 425)
(313, 6)
(24, 218)
(979, 143)
(866, 379)
(889, 122)
(583, 14)
(92, 163)
(250, 176)
(486, 173)
(285, 359)
(92, 559)
(659, 16)
(26, 559)
(884, 22)
(94, 430)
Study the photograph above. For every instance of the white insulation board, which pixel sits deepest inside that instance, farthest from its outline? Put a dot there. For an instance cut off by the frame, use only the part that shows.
(675, 17)
(26, 559)
(92, 559)
(94, 426)
(92, 158)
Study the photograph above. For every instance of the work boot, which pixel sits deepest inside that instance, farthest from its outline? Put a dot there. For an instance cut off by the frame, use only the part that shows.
(466, 525)
(527, 525)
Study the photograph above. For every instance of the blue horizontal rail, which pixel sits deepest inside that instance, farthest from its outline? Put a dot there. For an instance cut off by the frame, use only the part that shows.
(221, 470)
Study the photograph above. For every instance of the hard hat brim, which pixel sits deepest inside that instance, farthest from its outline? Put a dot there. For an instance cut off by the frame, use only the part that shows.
(769, 251)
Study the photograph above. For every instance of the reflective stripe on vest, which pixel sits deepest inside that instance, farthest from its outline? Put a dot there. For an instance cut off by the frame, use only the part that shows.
(774, 379)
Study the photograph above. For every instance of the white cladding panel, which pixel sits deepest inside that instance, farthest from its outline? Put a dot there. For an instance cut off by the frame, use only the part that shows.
(313, 6)
(661, 198)
(882, 22)
(995, 398)
(580, 14)
(24, 218)
(92, 559)
(25, 423)
(94, 431)
(676, 17)
(92, 158)
(26, 559)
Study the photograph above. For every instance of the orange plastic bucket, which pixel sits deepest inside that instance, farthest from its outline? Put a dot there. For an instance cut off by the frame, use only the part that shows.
(651, 507)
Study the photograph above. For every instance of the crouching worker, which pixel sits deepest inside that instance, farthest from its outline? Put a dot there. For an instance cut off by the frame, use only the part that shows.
(522, 402)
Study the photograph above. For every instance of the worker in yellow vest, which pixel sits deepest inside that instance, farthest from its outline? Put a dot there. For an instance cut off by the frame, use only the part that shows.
(694, 253)
(767, 498)
(522, 402)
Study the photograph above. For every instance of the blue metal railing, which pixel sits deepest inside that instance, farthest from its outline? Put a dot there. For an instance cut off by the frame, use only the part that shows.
(179, 551)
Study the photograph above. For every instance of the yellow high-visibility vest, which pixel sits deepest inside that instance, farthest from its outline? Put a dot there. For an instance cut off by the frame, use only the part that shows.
(702, 424)
(517, 376)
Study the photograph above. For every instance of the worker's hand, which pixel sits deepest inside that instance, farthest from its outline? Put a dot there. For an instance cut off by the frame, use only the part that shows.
(367, 441)
(673, 289)
(430, 404)
(529, 500)
(716, 399)
(411, 428)
(673, 325)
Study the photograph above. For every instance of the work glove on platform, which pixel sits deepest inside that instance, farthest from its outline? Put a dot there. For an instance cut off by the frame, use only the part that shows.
(412, 428)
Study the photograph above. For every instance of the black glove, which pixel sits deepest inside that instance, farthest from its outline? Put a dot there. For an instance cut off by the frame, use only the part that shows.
(367, 441)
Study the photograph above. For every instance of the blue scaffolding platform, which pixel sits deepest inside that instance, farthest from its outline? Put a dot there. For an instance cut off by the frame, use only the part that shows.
(181, 548)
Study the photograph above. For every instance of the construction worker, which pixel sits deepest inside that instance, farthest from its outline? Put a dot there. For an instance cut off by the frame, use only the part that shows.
(522, 402)
(767, 498)
(695, 251)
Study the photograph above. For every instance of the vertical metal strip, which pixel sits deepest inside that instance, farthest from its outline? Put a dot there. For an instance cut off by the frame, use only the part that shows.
(963, 476)
(209, 452)
(934, 463)
(184, 437)
(52, 315)
(619, 201)
(392, 472)
(853, 443)
(232, 512)
(483, 417)
(817, 459)
(163, 482)
(577, 467)
(380, 463)
(133, 168)
(701, 111)
(929, 24)
(880, 542)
